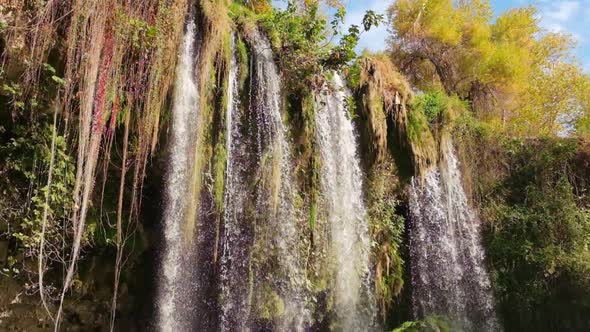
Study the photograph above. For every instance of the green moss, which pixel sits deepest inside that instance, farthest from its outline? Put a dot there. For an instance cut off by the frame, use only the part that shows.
(220, 153)
(418, 128)
(312, 162)
(314, 190)
(271, 176)
(238, 11)
(351, 108)
(432, 105)
(269, 305)
(422, 140)
(243, 61)
(439, 109)
(428, 324)
(354, 76)
(247, 20)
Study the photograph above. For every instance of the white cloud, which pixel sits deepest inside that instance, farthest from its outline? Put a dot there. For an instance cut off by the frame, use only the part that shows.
(558, 16)
(554, 27)
(563, 11)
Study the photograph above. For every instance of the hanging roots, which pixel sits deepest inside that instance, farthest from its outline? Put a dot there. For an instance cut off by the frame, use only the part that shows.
(112, 48)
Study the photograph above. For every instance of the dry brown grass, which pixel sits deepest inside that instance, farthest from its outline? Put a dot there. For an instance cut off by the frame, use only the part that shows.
(104, 74)
(388, 95)
(385, 93)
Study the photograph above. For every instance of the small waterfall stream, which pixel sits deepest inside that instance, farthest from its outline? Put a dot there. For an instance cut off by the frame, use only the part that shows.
(259, 224)
(236, 236)
(175, 294)
(342, 191)
(275, 194)
(447, 259)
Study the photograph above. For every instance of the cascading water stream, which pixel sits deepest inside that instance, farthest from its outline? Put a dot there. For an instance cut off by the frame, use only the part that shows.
(235, 306)
(342, 192)
(275, 197)
(175, 298)
(449, 277)
(258, 178)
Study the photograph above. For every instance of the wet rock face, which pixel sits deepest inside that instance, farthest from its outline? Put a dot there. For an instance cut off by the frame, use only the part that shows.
(20, 311)
(88, 305)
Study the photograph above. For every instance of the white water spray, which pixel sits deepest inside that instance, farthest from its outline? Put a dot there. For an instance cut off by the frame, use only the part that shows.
(174, 300)
(342, 192)
(447, 259)
(274, 148)
(235, 307)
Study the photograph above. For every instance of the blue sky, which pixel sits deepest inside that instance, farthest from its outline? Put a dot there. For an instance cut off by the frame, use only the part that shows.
(569, 16)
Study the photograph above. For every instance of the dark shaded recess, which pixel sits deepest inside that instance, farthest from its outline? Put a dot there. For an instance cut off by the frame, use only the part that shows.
(139, 276)
(323, 316)
(302, 125)
(6, 124)
(137, 307)
(2, 46)
(366, 150)
(299, 122)
(143, 276)
(400, 310)
(146, 273)
(399, 147)
(397, 141)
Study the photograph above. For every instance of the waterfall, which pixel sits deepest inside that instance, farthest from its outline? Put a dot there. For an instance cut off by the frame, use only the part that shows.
(342, 192)
(447, 259)
(236, 237)
(175, 295)
(275, 195)
(260, 256)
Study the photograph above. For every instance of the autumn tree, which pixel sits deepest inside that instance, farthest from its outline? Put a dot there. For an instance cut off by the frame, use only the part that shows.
(514, 74)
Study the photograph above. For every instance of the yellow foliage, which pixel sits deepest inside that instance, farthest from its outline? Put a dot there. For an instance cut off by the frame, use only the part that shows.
(515, 75)
(423, 18)
(261, 6)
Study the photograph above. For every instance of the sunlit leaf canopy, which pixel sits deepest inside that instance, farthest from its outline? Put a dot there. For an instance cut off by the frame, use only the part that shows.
(512, 71)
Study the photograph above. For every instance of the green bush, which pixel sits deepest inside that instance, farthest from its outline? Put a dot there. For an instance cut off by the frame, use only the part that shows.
(535, 204)
(23, 188)
(429, 324)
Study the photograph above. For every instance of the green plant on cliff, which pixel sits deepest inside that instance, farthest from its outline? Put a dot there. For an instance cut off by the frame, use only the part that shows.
(24, 189)
(387, 231)
(302, 38)
(428, 324)
(439, 110)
